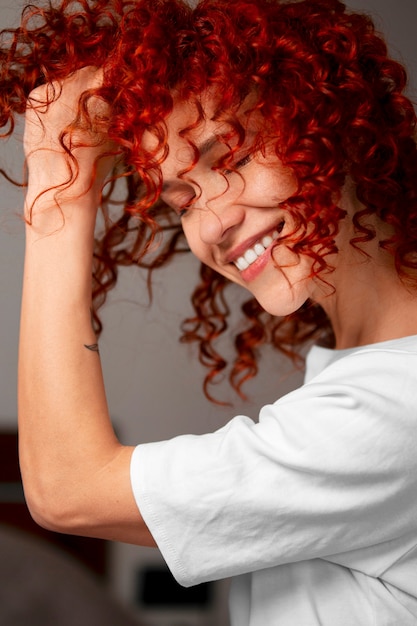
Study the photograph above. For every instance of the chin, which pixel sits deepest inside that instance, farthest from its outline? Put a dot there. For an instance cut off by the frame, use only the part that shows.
(281, 298)
(280, 307)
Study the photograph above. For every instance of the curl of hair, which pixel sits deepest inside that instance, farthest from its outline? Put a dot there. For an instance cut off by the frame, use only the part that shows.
(330, 95)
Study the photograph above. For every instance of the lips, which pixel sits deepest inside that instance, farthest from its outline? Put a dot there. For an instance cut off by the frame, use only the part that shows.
(254, 252)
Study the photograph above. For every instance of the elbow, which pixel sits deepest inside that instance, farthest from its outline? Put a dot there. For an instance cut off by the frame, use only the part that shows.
(43, 515)
(50, 509)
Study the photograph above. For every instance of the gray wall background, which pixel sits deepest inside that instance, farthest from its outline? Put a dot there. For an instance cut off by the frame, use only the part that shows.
(153, 382)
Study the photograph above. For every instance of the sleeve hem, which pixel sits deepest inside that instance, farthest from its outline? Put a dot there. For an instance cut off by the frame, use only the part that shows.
(139, 463)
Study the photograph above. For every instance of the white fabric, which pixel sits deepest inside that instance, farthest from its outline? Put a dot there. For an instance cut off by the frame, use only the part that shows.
(313, 509)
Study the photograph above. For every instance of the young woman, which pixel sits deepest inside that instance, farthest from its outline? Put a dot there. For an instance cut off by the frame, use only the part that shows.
(278, 135)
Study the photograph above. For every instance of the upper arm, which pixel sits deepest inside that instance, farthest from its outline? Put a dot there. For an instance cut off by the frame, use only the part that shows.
(103, 507)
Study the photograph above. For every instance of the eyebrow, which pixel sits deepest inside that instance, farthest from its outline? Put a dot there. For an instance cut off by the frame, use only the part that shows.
(204, 148)
(209, 143)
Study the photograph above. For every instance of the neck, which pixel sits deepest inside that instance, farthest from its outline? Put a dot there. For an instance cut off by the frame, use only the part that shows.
(369, 302)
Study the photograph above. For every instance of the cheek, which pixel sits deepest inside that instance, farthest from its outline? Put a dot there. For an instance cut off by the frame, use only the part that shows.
(192, 235)
(274, 185)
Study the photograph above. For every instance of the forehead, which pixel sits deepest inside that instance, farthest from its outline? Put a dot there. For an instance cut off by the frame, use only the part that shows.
(202, 123)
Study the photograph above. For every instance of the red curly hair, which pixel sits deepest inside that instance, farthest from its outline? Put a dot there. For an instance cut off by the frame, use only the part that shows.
(329, 94)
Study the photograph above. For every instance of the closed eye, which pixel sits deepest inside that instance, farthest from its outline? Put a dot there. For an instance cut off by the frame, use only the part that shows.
(238, 165)
(179, 200)
(182, 211)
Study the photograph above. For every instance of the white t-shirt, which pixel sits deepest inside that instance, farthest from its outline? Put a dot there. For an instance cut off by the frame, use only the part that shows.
(313, 509)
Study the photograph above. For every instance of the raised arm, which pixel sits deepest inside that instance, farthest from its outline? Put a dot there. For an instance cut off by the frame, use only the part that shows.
(75, 472)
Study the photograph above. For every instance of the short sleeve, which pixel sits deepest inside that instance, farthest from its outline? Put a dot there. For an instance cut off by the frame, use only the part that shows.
(325, 471)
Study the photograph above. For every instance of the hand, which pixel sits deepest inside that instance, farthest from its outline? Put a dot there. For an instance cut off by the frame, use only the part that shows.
(68, 153)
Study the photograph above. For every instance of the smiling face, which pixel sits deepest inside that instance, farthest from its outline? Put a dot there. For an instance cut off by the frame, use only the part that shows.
(231, 204)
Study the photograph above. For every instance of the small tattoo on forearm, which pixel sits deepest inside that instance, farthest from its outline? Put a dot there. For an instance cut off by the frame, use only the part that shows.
(93, 347)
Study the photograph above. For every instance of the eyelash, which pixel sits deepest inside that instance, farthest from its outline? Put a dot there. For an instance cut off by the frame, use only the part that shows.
(238, 165)
(181, 212)
(184, 209)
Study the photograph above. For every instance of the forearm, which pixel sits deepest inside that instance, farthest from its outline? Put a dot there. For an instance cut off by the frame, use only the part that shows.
(62, 405)
(75, 472)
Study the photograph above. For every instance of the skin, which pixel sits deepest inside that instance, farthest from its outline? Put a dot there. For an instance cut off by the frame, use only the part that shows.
(233, 210)
(75, 472)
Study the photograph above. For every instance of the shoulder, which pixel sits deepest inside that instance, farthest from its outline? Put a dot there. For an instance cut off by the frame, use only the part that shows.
(362, 392)
(365, 366)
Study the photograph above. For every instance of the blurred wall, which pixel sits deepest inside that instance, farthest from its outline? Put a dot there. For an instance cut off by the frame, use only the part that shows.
(153, 382)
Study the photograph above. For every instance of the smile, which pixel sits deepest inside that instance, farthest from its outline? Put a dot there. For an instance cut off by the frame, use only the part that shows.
(253, 253)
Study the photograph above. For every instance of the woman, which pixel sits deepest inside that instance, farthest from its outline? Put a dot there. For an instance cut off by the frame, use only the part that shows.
(279, 135)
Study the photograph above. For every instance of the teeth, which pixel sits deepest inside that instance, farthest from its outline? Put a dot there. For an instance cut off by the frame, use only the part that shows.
(250, 256)
(266, 241)
(241, 264)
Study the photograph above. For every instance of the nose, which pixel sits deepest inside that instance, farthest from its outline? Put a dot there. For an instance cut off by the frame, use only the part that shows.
(218, 218)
